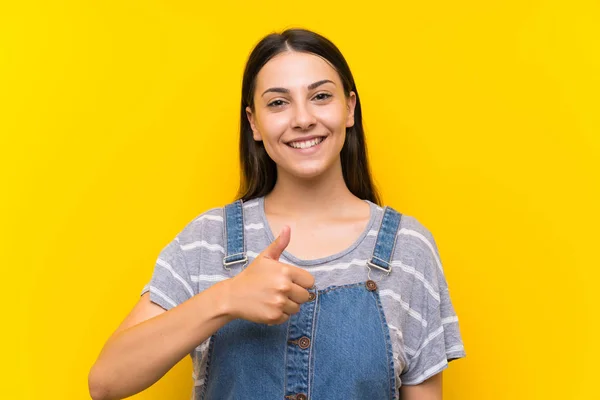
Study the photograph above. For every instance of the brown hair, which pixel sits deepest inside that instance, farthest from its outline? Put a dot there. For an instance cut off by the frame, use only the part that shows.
(258, 170)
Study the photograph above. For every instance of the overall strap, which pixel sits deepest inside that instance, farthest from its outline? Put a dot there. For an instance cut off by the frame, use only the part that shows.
(235, 251)
(386, 240)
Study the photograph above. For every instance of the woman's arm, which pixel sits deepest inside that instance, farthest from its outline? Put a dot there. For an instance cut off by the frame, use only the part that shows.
(150, 341)
(430, 389)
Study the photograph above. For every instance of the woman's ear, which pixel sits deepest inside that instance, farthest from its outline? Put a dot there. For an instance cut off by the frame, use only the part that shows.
(350, 105)
(255, 132)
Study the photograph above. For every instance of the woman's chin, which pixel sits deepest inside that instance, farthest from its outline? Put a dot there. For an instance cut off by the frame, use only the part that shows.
(308, 171)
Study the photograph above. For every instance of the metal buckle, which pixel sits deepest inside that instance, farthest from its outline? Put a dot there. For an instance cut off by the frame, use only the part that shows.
(370, 264)
(225, 264)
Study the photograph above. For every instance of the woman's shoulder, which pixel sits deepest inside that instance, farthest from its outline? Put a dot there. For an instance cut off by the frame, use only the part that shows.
(416, 244)
(410, 226)
(414, 228)
(203, 227)
(209, 225)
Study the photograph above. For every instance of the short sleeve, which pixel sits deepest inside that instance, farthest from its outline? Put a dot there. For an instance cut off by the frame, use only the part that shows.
(171, 283)
(439, 341)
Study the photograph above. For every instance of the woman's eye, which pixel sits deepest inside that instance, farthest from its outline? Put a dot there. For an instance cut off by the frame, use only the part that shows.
(322, 96)
(319, 96)
(276, 103)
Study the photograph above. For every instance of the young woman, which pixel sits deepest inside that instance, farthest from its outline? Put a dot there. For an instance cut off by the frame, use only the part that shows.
(349, 301)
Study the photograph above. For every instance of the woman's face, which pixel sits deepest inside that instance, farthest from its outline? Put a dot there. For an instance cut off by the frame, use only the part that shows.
(301, 113)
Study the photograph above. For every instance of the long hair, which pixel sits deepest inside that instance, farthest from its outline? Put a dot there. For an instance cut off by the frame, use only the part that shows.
(258, 170)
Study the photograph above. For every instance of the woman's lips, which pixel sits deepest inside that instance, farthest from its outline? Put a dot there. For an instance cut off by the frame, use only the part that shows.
(308, 150)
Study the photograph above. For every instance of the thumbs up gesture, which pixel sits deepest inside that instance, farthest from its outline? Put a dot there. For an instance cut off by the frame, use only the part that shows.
(268, 291)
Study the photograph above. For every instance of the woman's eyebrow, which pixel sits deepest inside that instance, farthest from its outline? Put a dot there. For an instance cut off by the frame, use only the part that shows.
(310, 87)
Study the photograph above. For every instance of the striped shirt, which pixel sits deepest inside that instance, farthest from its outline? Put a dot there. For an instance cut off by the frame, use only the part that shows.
(422, 321)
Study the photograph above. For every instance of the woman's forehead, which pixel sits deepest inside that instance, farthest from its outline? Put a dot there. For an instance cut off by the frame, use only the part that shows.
(295, 69)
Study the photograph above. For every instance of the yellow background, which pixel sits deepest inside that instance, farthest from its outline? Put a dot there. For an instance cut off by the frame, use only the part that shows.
(119, 124)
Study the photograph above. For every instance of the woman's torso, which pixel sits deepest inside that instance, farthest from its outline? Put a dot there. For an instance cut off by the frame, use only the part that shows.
(353, 340)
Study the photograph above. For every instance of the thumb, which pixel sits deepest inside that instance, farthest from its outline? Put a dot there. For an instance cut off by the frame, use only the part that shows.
(278, 246)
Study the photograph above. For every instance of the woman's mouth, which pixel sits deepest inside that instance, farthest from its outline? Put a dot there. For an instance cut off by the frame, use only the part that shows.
(306, 144)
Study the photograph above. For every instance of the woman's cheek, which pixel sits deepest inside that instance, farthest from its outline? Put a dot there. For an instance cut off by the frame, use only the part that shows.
(333, 117)
(275, 125)
(281, 121)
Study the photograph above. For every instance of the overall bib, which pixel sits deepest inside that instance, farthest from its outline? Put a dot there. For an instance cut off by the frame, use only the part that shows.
(336, 347)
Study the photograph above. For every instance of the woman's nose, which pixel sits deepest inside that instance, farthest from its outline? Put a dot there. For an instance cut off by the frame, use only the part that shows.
(303, 117)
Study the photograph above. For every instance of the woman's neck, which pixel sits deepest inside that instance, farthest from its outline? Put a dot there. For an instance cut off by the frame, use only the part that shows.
(325, 195)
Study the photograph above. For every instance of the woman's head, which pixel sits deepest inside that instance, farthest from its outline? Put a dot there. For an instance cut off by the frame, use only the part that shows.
(298, 92)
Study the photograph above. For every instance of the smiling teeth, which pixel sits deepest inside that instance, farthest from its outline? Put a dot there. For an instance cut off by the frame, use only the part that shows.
(306, 144)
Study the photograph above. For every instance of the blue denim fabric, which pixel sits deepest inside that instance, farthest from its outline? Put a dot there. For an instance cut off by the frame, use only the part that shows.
(384, 247)
(337, 346)
(234, 234)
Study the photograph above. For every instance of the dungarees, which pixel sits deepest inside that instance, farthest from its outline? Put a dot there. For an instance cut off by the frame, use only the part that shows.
(336, 347)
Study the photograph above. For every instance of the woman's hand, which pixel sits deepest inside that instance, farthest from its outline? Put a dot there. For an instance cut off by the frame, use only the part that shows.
(268, 291)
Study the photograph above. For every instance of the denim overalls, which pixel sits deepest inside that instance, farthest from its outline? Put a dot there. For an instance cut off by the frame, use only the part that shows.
(336, 347)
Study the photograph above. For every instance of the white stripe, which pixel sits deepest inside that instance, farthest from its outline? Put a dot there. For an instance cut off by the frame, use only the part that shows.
(418, 235)
(168, 267)
(203, 244)
(250, 205)
(145, 288)
(407, 349)
(429, 338)
(164, 296)
(208, 278)
(419, 276)
(251, 254)
(398, 331)
(372, 233)
(254, 226)
(458, 347)
(397, 297)
(197, 382)
(449, 320)
(355, 262)
(429, 370)
(397, 363)
(210, 217)
(203, 346)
